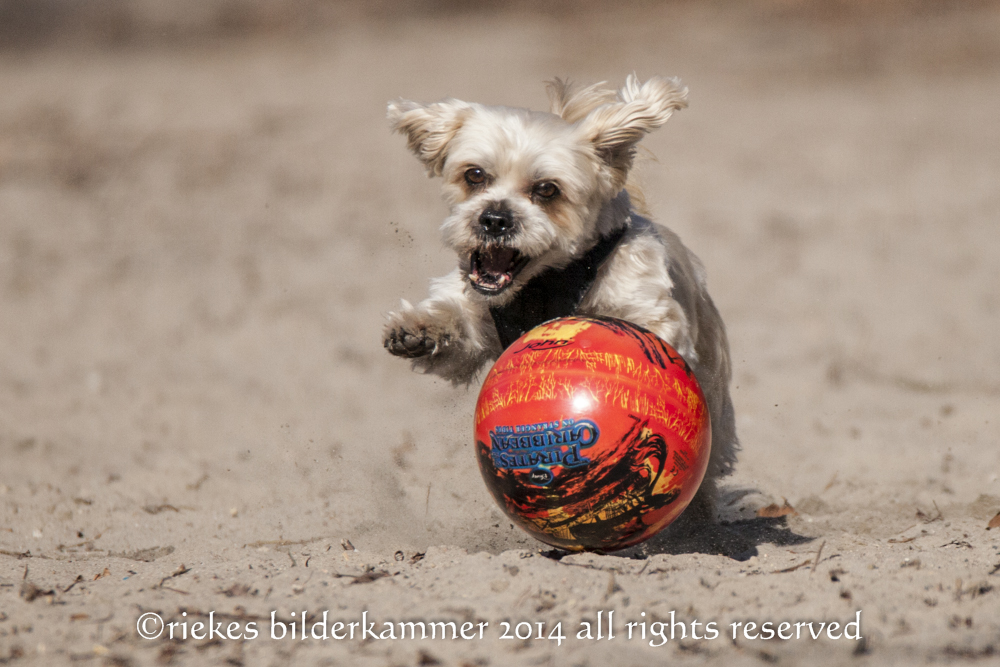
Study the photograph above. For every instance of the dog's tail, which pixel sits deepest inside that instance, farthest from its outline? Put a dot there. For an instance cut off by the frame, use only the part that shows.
(636, 195)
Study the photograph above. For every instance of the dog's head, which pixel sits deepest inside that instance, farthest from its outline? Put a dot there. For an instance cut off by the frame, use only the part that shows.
(527, 188)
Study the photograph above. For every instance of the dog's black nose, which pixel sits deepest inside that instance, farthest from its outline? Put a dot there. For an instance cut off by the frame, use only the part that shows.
(496, 222)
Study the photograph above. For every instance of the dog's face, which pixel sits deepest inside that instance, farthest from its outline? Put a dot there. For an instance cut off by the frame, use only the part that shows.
(526, 188)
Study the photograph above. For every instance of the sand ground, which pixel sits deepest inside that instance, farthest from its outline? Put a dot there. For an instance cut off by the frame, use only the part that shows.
(199, 239)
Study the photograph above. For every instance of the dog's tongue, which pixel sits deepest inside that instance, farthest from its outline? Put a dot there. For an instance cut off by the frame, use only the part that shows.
(491, 270)
(496, 260)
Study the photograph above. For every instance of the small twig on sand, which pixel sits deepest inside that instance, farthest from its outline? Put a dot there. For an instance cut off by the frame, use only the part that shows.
(794, 567)
(78, 579)
(365, 578)
(818, 553)
(178, 572)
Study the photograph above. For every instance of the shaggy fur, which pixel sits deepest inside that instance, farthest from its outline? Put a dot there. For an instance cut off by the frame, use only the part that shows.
(531, 190)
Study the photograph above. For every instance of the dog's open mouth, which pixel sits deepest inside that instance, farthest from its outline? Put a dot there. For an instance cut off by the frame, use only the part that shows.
(492, 270)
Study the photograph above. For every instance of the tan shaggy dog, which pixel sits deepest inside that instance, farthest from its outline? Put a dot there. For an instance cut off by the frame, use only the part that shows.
(543, 226)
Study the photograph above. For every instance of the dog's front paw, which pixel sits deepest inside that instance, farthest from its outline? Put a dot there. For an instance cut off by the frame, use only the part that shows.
(409, 335)
(404, 343)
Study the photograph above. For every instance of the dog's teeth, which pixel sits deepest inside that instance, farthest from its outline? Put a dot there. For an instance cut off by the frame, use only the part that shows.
(492, 269)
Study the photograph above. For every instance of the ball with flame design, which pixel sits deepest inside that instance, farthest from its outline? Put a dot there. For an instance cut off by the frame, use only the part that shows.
(592, 433)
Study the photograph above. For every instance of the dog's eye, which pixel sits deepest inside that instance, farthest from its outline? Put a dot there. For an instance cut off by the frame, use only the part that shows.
(475, 176)
(546, 190)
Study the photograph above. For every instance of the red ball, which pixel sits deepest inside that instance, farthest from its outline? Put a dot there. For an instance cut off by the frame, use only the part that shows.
(592, 433)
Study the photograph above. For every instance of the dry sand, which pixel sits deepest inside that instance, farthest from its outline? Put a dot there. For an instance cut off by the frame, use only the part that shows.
(198, 242)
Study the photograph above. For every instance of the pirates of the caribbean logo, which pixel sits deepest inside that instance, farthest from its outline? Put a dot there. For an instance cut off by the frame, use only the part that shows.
(539, 447)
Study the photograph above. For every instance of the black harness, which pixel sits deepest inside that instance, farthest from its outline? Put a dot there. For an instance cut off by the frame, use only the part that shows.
(553, 293)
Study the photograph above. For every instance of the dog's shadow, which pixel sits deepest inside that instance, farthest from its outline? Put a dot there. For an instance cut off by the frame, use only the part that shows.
(733, 536)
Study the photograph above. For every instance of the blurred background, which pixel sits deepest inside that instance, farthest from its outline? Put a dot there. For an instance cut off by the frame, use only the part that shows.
(204, 219)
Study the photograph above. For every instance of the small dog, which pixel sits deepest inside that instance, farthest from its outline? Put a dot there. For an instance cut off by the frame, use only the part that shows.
(544, 227)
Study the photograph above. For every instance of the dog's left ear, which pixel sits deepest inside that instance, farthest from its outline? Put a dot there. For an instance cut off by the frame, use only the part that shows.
(614, 129)
(428, 128)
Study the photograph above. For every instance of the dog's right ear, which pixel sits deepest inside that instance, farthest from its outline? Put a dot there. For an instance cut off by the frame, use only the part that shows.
(572, 103)
(614, 129)
(429, 128)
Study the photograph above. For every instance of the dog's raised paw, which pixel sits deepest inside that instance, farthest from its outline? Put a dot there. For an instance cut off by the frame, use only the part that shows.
(409, 344)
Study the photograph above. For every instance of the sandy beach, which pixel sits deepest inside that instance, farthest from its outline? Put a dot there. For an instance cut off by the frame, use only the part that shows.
(203, 223)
